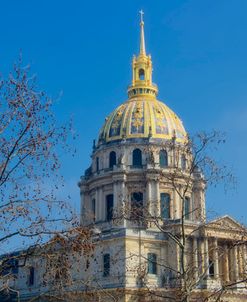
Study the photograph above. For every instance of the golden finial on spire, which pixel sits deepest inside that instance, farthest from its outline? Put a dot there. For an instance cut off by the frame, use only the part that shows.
(142, 42)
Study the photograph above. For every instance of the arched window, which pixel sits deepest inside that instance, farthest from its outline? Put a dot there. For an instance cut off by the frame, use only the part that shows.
(137, 158)
(141, 74)
(97, 164)
(112, 159)
(187, 208)
(163, 158)
(165, 201)
(183, 162)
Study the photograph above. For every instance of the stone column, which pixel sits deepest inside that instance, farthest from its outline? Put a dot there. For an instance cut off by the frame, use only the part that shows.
(202, 204)
(157, 201)
(122, 193)
(240, 261)
(82, 208)
(162, 257)
(175, 206)
(85, 209)
(226, 264)
(149, 197)
(100, 206)
(115, 196)
(216, 259)
(201, 252)
(97, 204)
(178, 252)
(195, 258)
(185, 254)
(122, 202)
(206, 257)
(172, 205)
(244, 261)
(192, 207)
(235, 262)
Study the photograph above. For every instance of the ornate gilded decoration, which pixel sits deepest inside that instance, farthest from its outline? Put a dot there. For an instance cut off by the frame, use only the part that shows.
(137, 122)
(116, 122)
(160, 120)
(143, 118)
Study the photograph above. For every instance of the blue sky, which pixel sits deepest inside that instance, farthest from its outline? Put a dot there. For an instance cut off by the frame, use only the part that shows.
(84, 49)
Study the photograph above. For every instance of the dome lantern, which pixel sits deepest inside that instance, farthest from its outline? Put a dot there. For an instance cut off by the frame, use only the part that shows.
(142, 71)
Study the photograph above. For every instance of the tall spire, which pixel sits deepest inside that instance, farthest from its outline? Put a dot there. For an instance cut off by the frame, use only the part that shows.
(142, 84)
(142, 41)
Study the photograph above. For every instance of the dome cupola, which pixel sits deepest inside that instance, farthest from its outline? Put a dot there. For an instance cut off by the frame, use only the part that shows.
(142, 115)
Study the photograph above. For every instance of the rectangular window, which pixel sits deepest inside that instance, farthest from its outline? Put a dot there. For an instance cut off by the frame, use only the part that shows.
(136, 206)
(97, 164)
(187, 208)
(165, 205)
(106, 265)
(152, 263)
(211, 268)
(109, 207)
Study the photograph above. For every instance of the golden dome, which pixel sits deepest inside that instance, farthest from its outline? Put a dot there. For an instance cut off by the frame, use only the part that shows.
(142, 116)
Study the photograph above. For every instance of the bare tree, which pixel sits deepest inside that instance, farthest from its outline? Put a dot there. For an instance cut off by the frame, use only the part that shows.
(31, 141)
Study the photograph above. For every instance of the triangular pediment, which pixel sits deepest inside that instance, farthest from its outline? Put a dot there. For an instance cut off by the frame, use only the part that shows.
(226, 222)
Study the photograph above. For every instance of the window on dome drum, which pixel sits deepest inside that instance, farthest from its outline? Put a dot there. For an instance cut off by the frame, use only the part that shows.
(136, 206)
(109, 207)
(141, 74)
(112, 159)
(97, 164)
(137, 158)
(31, 276)
(187, 208)
(106, 265)
(211, 268)
(165, 201)
(183, 162)
(93, 209)
(163, 158)
(152, 263)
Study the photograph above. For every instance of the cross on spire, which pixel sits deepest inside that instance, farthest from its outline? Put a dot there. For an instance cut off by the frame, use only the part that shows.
(142, 14)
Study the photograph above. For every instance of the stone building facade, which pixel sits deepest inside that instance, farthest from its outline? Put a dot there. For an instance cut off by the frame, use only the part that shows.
(141, 207)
